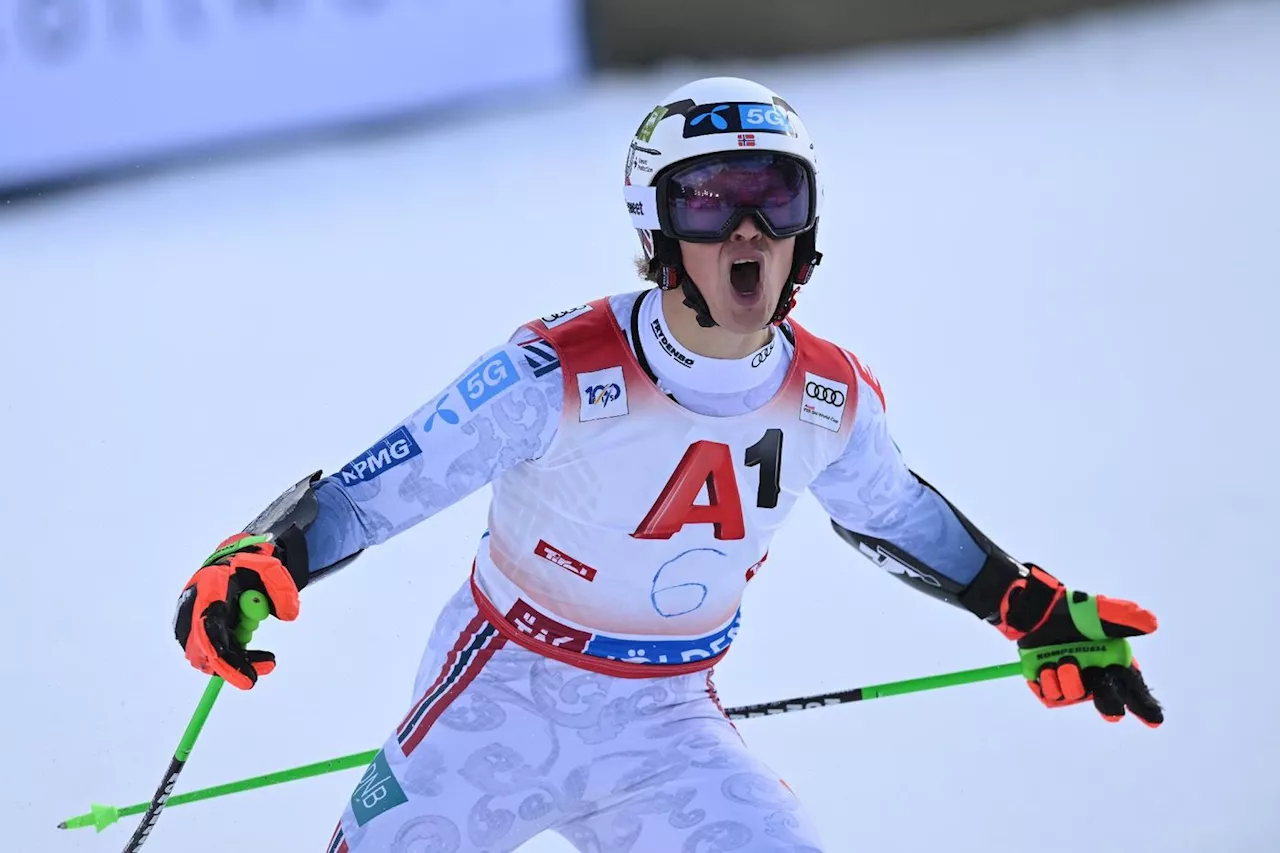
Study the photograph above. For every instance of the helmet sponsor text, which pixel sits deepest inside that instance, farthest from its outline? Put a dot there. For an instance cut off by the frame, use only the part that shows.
(737, 118)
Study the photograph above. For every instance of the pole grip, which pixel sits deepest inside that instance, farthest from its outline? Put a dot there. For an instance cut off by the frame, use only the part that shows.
(253, 612)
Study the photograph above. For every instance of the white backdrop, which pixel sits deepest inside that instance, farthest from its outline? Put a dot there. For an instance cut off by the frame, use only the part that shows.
(85, 85)
(1056, 249)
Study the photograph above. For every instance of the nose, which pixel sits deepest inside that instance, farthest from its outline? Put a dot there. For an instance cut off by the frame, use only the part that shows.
(748, 229)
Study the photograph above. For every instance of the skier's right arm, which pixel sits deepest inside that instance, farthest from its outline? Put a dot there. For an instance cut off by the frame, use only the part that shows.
(502, 410)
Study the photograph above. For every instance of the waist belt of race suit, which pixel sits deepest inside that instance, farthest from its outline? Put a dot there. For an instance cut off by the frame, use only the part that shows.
(623, 657)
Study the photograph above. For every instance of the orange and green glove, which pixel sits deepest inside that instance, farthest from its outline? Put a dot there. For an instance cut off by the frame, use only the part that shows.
(1074, 647)
(209, 610)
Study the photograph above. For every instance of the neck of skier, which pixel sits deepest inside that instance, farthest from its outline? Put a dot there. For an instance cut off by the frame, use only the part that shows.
(715, 342)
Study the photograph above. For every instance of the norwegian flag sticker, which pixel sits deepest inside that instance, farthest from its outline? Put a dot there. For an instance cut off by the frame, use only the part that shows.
(746, 140)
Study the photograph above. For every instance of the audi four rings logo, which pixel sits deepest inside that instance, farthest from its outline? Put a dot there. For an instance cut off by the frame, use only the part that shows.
(825, 394)
(762, 355)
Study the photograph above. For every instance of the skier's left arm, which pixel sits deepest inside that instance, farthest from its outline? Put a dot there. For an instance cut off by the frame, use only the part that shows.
(1072, 644)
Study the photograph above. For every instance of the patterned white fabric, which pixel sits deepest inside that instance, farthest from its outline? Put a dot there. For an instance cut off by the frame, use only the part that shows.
(498, 748)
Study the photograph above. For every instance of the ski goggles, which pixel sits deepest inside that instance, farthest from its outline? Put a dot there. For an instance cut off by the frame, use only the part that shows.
(704, 201)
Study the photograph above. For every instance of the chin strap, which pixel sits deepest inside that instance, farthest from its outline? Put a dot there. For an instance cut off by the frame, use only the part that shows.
(805, 260)
(694, 299)
(666, 262)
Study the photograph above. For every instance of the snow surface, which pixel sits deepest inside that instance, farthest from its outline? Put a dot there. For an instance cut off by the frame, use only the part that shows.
(1057, 248)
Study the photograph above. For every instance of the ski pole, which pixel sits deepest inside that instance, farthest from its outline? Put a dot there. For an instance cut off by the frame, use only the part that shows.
(101, 817)
(874, 691)
(253, 610)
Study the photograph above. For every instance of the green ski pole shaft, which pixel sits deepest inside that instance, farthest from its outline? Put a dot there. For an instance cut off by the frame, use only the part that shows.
(253, 610)
(103, 816)
(874, 691)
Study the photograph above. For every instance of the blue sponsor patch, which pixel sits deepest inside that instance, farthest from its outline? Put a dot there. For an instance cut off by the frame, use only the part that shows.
(737, 117)
(397, 447)
(766, 117)
(377, 791)
(487, 381)
(664, 651)
(446, 414)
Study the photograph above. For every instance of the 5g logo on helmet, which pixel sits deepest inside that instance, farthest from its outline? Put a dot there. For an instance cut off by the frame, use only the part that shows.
(736, 118)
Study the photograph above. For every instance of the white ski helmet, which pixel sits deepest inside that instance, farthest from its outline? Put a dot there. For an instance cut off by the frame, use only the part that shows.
(721, 119)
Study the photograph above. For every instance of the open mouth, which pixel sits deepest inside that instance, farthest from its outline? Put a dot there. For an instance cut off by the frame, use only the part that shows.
(745, 277)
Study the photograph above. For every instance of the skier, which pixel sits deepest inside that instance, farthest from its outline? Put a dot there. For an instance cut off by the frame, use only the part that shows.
(642, 450)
